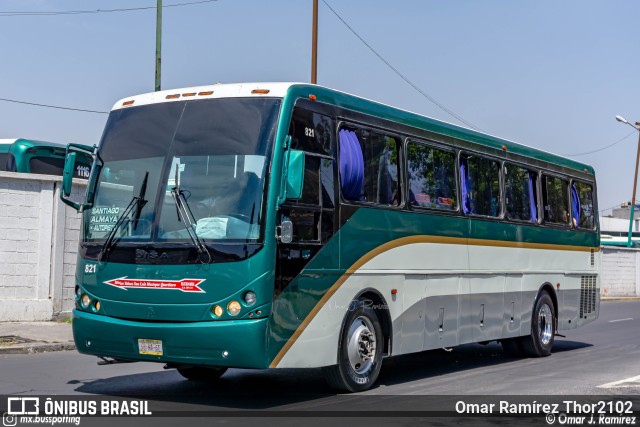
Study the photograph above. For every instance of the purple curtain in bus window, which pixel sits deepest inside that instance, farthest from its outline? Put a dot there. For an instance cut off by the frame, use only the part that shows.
(351, 165)
(533, 208)
(463, 185)
(575, 204)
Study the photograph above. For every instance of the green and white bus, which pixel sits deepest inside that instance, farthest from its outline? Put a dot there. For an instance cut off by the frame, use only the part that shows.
(39, 157)
(286, 225)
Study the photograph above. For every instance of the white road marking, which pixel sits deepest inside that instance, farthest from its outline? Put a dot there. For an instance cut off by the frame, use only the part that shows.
(620, 383)
(621, 320)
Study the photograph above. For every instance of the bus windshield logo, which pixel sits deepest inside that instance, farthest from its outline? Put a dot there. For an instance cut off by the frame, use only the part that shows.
(184, 285)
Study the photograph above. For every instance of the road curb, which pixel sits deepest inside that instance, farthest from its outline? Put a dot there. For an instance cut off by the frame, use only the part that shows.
(33, 348)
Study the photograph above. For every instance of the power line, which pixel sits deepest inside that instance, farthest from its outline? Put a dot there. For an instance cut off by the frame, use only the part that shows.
(603, 148)
(81, 12)
(53, 106)
(402, 76)
(608, 209)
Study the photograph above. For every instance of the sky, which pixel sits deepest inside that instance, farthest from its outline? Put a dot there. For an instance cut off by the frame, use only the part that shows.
(545, 73)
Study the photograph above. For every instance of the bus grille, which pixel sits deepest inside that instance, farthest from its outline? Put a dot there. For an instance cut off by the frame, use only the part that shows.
(593, 257)
(587, 295)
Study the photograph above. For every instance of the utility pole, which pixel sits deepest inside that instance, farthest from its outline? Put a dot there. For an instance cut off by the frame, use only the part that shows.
(635, 180)
(158, 43)
(633, 196)
(314, 44)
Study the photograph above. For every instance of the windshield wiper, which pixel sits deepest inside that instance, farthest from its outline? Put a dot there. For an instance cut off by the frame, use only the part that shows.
(186, 217)
(137, 203)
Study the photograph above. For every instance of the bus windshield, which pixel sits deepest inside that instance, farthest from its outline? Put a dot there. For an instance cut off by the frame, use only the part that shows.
(213, 152)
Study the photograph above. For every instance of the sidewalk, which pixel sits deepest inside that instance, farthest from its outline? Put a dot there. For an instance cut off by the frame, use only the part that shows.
(35, 337)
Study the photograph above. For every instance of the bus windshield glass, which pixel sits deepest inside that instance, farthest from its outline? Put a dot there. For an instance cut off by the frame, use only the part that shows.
(213, 153)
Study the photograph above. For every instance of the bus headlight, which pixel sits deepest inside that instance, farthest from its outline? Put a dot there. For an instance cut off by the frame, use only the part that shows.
(250, 298)
(85, 301)
(233, 308)
(217, 311)
(78, 292)
(96, 306)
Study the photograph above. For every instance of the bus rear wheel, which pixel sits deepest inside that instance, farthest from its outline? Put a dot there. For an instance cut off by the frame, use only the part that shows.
(202, 374)
(543, 323)
(359, 350)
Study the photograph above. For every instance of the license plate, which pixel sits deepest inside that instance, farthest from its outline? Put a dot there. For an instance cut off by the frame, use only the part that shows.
(152, 347)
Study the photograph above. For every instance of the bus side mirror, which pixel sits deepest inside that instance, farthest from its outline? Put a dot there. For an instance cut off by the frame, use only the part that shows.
(67, 174)
(73, 150)
(295, 175)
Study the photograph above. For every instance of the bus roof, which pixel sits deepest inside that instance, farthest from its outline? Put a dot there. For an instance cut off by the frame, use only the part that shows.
(348, 101)
(8, 145)
(31, 142)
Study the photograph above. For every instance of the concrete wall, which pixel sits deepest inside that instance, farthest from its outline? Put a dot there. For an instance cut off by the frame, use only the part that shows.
(620, 272)
(38, 247)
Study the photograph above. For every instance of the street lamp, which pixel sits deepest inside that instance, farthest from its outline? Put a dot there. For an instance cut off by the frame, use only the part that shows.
(635, 176)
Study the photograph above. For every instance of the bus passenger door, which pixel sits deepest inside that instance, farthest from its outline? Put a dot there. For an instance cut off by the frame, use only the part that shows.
(311, 260)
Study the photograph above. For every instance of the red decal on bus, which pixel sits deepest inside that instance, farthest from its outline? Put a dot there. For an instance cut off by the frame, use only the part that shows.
(184, 285)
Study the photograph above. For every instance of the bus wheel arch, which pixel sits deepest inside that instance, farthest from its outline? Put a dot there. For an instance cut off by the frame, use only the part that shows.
(554, 298)
(543, 324)
(381, 308)
(361, 343)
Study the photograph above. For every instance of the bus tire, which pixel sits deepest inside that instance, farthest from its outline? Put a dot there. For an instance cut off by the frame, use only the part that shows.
(359, 350)
(202, 374)
(539, 343)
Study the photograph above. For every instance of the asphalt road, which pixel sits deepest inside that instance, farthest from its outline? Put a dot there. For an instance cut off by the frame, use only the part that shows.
(604, 352)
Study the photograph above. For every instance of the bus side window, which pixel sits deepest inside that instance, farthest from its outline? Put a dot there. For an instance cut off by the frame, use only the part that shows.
(555, 192)
(4, 159)
(311, 132)
(521, 199)
(582, 205)
(480, 185)
(369, 167)
(432, 177)
(312, 215)
(11, 165)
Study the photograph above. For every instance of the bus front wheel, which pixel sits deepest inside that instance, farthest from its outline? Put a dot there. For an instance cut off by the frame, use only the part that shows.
(359, 350)
(201, 374)
(539, 343)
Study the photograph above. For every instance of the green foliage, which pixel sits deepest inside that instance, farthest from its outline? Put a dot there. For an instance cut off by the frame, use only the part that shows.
(432, 177)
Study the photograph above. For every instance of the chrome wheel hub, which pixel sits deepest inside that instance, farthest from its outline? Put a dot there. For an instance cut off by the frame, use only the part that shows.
(361, 345)
(545, 324)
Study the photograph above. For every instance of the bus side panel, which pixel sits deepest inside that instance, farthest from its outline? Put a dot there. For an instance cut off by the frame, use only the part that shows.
(486, 314)
(512, 306)
(411, 331)
(378, 248)
(443, 305)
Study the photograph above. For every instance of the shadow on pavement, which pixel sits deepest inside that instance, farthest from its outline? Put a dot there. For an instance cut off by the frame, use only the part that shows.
(300, 389)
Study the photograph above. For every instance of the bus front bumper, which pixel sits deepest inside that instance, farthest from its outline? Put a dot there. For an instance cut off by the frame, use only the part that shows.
(231, 343)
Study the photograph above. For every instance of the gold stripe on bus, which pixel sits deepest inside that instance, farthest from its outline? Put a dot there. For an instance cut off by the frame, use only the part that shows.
(408, 241)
